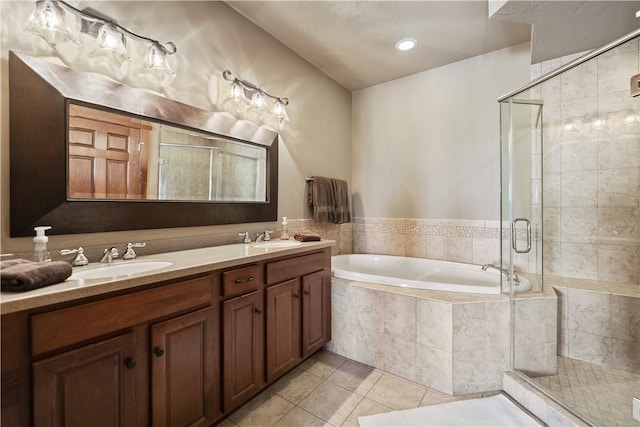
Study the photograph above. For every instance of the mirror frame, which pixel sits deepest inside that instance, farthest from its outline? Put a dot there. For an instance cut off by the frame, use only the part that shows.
(39, 94)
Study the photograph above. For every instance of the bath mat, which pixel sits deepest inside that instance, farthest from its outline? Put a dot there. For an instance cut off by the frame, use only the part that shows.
(495, 411)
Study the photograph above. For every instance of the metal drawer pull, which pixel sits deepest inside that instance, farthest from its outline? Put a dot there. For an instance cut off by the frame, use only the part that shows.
(513, 235)
(257, 310)
(248, 279)
(306, 292)
(158, 352)
(129, 363)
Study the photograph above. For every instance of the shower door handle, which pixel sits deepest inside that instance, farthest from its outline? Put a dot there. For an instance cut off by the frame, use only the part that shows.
(513, 235)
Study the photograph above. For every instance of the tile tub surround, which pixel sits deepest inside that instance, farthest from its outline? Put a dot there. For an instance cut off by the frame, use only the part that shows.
(469, 241)
(598, 322)
(455, 343)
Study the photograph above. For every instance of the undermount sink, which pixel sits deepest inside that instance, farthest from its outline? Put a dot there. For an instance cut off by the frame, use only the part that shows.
(283, 244)
(121, 269)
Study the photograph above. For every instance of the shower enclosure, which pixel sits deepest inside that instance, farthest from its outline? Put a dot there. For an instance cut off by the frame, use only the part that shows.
(571, 223)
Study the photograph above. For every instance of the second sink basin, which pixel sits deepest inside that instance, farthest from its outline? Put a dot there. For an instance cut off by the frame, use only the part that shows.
(282, 244)
(120, 269)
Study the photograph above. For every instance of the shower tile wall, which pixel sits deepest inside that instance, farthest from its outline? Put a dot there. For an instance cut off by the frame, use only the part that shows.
(590, 164)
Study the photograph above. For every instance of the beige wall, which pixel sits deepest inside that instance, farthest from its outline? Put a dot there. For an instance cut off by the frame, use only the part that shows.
(210, 37)
(427, 146)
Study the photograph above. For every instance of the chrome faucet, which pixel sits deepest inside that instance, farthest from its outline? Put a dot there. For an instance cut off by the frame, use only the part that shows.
(266, 236)
(109, 255)
(130, 253)
(79, 259)
(516, 279)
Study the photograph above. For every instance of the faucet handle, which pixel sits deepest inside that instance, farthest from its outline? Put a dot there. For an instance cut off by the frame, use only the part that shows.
(130, 253)
(267, 235)
(247, 239)
(79, 260)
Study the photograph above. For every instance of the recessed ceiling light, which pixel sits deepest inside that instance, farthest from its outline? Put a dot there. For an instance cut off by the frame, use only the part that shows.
(406, 44)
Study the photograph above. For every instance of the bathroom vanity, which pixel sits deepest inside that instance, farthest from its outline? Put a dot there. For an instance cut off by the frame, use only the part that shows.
(182, 345)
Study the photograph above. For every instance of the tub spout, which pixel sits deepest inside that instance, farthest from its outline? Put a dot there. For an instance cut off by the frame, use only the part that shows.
(516, 279)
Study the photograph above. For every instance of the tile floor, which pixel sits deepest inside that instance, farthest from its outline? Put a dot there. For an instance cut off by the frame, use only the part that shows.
(330, 390)
(600, 394)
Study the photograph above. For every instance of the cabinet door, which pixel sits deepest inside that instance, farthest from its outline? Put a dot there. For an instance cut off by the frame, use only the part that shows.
(283, 328)
(243, 348)
(184, 370)
(93, 385)
(316, 311)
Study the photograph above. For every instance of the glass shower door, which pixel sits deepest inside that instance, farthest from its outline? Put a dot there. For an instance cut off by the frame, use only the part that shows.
(521, 160)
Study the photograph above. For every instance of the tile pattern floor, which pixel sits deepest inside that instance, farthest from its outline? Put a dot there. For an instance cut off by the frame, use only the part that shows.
(598, 393)
(330, 390)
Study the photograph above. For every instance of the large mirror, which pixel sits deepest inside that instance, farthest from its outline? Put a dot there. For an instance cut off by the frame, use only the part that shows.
(117, 156)
(89, 154)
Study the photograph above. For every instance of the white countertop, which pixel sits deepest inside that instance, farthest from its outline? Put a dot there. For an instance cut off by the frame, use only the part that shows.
(185, 263)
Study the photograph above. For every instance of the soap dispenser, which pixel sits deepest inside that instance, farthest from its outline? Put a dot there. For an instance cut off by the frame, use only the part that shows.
(40, 252)
(285, 234)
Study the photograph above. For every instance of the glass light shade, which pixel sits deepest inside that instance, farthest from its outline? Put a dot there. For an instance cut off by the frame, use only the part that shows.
(279, 111)
(257, 101)
(48, 21)
(235, 92)
(110, 45)
(155, 62)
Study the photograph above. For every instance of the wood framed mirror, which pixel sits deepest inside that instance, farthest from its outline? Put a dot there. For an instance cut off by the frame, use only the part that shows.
(92, 155)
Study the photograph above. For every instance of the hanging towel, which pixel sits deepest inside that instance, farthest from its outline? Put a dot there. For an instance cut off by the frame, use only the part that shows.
(341, 191)
(322, 199)
(19, 275)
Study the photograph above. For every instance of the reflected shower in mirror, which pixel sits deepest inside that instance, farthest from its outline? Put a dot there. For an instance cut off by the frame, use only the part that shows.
(115, 156)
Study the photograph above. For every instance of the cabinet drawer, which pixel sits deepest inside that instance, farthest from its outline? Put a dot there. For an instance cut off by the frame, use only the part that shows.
(242, 280)
(60, 328)
(289, 268)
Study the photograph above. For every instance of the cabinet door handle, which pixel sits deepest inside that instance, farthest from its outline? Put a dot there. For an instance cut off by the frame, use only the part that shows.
(130, 363)
(257, 310)
(306, 292)
(158, 352)
(296, 296)
(248, 279)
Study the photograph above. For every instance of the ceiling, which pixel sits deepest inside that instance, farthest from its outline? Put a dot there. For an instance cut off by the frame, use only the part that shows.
(353, 41)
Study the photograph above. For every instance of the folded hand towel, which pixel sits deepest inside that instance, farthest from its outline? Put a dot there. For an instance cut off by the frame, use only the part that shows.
(19, 275)
(306, 236)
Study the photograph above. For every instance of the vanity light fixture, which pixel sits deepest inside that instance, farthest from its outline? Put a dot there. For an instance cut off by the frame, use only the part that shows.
(48, 21)
(243, 92)
(406, 44)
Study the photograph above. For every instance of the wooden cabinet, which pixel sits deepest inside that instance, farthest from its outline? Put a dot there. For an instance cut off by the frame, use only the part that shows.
(184, 370)
(316, 311)
(243, 348)
(182, 353)
(93, 385)
(161, 359)
(283, 328)
(298, 309)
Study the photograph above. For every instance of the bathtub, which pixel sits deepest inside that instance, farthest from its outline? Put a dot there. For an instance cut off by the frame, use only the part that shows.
(420, 273)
